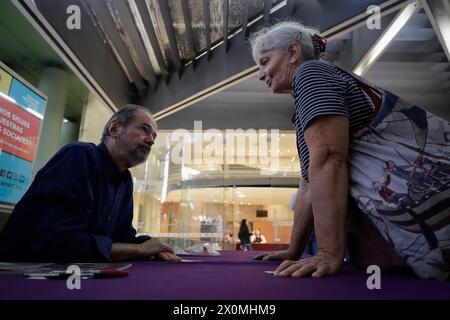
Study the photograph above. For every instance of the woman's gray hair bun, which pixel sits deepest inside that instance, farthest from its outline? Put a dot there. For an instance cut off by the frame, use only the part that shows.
(281, 35)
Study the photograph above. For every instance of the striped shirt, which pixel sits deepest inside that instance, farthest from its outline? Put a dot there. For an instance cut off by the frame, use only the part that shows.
(320, 88)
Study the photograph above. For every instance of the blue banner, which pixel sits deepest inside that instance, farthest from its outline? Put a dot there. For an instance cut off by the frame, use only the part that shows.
(27, 98)
(15, 176)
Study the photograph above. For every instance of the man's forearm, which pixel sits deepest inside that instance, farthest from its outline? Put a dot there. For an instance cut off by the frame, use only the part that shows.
(329, 192)
(125, 251)
(303, 220)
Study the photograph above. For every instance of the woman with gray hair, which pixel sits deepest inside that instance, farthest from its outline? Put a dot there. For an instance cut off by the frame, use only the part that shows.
(365, 154)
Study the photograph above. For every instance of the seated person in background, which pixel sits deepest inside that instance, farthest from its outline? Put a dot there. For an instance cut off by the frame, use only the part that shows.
(257, 237)
(79, 207)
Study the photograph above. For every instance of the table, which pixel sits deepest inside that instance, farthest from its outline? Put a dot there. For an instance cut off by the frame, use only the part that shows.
(233, 275)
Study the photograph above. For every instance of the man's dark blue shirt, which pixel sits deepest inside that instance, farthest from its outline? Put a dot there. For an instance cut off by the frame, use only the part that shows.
(78, 205)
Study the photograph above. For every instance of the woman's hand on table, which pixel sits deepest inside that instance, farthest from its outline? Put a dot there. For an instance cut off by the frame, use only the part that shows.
(320, 265)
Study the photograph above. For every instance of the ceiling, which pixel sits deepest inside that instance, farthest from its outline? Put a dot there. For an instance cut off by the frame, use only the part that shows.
(414, 66)
(24, 51)
(189, 60)
(247, 104)
(169, 54)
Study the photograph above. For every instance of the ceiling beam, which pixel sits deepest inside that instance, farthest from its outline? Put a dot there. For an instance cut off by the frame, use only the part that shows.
(438, 12)
(148, 25)
(225, 23)
(245, 18)
(188, 29)
(127, 28)
(165, 12)
(98, 12)
(207, 20)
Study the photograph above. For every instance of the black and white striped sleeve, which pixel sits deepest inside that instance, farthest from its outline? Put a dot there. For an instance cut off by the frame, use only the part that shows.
(318, 91)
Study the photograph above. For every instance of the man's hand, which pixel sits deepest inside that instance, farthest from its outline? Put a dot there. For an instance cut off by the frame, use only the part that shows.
(320, 265)
(277, 255)
(152, 247)
(167, 256)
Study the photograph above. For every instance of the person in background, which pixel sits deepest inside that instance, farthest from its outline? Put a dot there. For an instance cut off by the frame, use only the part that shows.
(79, 207)
(244, 236)
(257, 237)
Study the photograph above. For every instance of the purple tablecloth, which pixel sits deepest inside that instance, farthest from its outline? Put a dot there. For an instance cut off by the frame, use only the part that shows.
(230, 276)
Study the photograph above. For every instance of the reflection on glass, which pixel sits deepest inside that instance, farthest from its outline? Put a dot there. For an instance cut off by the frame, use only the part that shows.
(196, 190)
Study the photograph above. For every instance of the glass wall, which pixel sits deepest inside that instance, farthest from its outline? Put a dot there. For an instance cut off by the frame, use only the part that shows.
(196, 187)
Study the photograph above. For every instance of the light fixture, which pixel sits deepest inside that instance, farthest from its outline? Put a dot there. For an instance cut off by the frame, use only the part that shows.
(385, 39)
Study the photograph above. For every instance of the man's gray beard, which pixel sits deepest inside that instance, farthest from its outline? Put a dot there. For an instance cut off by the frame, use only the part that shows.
(137, 156)
(133, 156)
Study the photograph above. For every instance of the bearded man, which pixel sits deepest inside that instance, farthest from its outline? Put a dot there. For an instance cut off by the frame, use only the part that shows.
(79, 207)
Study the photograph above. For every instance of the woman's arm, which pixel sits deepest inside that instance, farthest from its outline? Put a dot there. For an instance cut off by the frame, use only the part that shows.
(301, 228)
(327, 140)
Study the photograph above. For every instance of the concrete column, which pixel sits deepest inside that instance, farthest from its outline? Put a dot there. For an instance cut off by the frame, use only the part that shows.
(69, 132)
(94, 117)
(53, 84)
